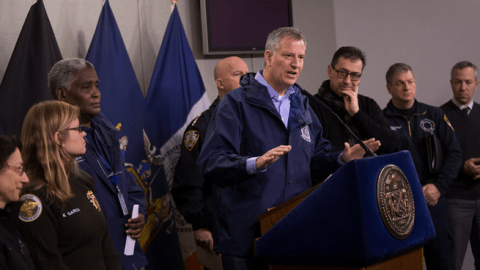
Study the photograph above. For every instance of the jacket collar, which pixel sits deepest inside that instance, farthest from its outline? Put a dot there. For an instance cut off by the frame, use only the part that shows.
(257, 95)
(393, 111)
(214, 104)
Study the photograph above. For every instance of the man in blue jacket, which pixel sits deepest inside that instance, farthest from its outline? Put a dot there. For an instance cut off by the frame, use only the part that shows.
(260, 147)
(413, 121)
(75, 81)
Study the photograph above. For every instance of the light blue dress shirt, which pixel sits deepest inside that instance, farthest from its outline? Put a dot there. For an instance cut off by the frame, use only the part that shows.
(282, 104)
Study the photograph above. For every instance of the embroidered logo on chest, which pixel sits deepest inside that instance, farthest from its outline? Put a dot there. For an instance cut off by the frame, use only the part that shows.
(91, 197)
(395, 127)
(191, 139)
(305, 133)
(31, 208)
(427, 125)
(71, 212)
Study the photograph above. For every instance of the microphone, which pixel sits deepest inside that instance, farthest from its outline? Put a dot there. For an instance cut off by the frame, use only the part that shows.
(368, 151)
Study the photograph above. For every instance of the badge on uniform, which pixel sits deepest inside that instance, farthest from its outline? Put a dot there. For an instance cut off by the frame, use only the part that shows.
(305, 132)
(191, 139)
(31, 208)
(91, 197)
(427, 125)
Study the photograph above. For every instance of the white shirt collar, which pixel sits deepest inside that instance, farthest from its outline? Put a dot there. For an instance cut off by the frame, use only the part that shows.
(273, 94)
(461, 106)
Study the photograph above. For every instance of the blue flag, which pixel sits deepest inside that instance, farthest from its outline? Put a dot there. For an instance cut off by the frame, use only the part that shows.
(25, 80)
(122, 101)
(175, 97)
(176, 94)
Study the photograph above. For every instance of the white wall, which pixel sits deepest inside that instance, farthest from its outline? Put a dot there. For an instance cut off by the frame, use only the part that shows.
(430, 36)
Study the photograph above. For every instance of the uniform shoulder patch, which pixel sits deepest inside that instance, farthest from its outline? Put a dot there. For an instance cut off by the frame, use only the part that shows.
(448, 122)
(31, 208)
(191, 138)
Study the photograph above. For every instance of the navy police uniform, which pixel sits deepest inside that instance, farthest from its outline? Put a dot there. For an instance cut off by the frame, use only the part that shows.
(411, 133)
(190, 191)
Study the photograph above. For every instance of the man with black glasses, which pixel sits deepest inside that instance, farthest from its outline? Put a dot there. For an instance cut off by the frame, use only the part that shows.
(360, 113)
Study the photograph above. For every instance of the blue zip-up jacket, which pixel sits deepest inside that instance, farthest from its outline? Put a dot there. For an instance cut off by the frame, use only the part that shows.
(246, 124)
(412, 134)
(106, 192)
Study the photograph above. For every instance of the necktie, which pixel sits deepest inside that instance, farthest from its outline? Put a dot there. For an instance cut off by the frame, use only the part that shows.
(466, 110)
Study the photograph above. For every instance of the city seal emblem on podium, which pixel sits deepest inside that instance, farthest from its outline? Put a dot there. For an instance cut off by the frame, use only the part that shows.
(395, 201)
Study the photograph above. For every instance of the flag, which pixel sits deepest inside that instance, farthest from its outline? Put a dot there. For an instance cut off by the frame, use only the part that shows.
(176, 95)
(123, 102)
(25, 80)
(122, 99)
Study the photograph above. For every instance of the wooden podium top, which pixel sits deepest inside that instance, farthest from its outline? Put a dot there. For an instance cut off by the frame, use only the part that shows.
(274, 215)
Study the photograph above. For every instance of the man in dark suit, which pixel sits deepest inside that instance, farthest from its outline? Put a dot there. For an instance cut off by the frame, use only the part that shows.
(463, 195)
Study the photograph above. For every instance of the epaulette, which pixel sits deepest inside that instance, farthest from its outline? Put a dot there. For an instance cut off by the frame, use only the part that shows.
(448, 122)
(196, 118)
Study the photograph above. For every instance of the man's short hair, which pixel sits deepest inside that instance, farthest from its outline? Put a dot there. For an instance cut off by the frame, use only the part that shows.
(273, 39)
(462, 65)
(351, 53)
(63, 72)
(398, 67)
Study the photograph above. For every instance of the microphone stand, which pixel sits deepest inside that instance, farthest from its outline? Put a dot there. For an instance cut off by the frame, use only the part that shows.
(368, 151)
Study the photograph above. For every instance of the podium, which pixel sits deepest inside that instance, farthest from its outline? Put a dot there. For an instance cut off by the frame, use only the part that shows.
(362, 215)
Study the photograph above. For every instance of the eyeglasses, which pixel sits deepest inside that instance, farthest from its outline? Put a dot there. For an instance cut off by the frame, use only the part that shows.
(79, 129)
(19, 170)
(354, 76)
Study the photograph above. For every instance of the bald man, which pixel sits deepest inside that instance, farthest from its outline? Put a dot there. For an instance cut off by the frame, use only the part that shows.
(190, 192)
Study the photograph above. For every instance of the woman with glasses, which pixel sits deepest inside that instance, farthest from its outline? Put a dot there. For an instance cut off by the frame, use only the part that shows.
(13, 252)
(60, 218)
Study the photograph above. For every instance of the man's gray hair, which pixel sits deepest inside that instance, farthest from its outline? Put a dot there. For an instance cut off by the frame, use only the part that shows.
(464, 64)
(63, 72)
(273, 40)
(398, 67)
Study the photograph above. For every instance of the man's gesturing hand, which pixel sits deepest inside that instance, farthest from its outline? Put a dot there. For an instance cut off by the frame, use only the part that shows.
(272, 156)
